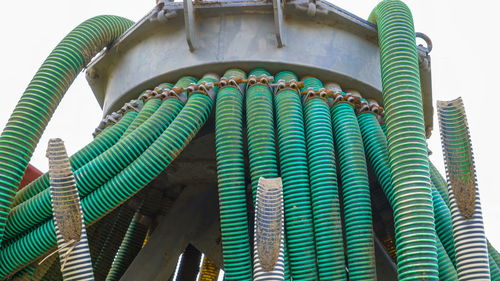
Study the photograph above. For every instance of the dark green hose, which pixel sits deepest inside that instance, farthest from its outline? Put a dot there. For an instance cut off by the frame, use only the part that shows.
(494, 269)
(447, 271)
(324, 188)
(101, 143)
(101, 169)
(296, 190)
(440, 183)
(356, 193)
(493, 253)
(121, 187)
(402, 99)
(39, 101)
(129, 247)
(231, 181)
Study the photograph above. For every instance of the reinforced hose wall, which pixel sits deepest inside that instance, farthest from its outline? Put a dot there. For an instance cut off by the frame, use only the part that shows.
(324, 188)
(39, 101)
(231, 181)
(356, 193)
(128, 182)
(101, 143)
(402, 99)
(296, 190)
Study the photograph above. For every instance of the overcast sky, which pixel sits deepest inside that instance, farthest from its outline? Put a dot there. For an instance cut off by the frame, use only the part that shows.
(465, 62)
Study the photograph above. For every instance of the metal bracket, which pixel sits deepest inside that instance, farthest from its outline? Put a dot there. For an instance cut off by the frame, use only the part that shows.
(278, 22)
(189, 24)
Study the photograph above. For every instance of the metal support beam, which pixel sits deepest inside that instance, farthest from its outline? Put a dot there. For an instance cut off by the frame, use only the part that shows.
(193, 215)
(278, 22)
(189, 23)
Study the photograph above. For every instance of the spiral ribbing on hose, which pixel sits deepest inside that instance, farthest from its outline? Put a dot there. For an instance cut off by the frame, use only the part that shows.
(296, 190)
(101, 143)
(324, 188)
(121, 187)
(402, 99)
(440, 183)
(43, 94)
(231, 180)
(268, 250)
(260, 132)
(375, 144)
(73, 248)
(468, 229)
(102, 168)
(355, 193)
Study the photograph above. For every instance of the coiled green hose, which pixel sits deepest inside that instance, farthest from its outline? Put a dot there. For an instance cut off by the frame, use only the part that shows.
(260, 132)
(413, 214)
(493, 253)
(375, 144)
(296, 190)
(38, 102)
(324, 188)
(447, 271)
(99, 170)
(129, 247)
(231, 181)
(101, 143)
(440, 183)
(356, 193)
(144, 169)
(494, 269)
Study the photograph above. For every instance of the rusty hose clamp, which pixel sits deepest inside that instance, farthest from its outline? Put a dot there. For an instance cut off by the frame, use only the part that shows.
(310, 93)
(148, 94)
(261, 80)
(132, 105)
(232, 82)
(292, 85)
(176, 93)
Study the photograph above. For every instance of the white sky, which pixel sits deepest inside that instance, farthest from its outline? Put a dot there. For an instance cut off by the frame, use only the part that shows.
(465, 59)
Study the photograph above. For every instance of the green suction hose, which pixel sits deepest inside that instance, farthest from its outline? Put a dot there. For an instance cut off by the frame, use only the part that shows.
(231, 180)
(294, 172)
(324, 188)
(40, 99)
(375, 144)
(260, 132)
(101, 143)
(121, 187)
(356, 193)
(414, 219)
(99, 170)
(493, 252)
(440, 183)
(129, 247)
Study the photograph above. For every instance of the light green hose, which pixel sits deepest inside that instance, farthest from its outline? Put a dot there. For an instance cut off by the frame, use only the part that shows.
(39, 101)
(402, 99)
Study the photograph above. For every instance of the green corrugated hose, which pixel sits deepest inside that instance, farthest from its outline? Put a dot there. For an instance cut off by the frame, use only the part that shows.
(101, 169)
(375, 144)
(440, 183)
(124, 185)
(493, 253)
(295, 175)
(231, 181)
(402, 98)
(101, 143)
(324, 188)
(356, 193)
(43, 94)
(494, 269)
(129, 247)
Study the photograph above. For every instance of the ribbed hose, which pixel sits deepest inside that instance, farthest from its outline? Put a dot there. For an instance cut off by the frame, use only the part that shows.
(209, 271)
(148, 109)
(129, 248)
(324, 188)
(444, 226)
(447, 271)
(72, 243)
(260, 132)
(494, 270)
(39, 101)
(375, 144)
(493, 253)
(295, 175)
(101, 169)
(124, 185)
(189, 265)
(440, 183)
(402, 99)
(231, 181)
(356, 193)
(468, 229)
(101, 143)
